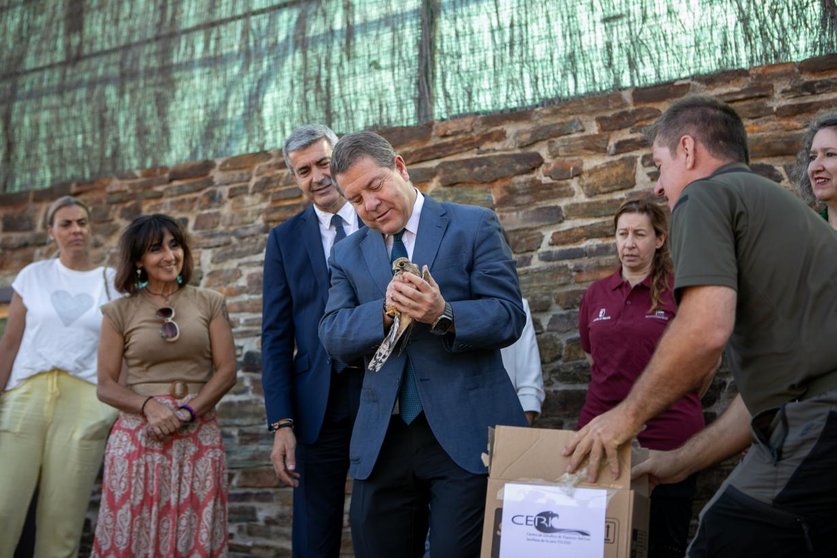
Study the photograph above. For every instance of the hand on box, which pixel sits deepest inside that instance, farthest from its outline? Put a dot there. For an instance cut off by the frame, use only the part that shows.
(599, 439)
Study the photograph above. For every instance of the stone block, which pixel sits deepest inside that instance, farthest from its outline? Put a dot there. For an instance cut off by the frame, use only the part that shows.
(768, 171)
(626, 118)
(524, 240)
(19, 222)
(548, 276)
(244, 161)
(774, 145)
(503, 118)
(819, 63)
(584, 105)
(193, 169)
(207, 220)
(569, 298)
(662, 92)
(530, 191)
(264, 183)
(811, 87)
(221, 277)
(527, 136)
(753, 91)
(188, 186)
(563, 322)
(550, 347)
(564, 169)
(531, 217)
(626, 145)
(403, 136)
(752, 109)
(488, 168)
(573, 146)
(723, 79)
(466, 194)
(804, 108)
(240, 250)
(454, 127)
(592, 209)
(600, 229)
(609, 177)
(455, 146)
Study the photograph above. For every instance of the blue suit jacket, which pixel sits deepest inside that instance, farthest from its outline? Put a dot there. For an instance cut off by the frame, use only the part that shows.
(295, 291)
(463, 386)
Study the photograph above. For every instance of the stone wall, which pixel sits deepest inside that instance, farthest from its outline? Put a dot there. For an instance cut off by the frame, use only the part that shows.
(554, 174)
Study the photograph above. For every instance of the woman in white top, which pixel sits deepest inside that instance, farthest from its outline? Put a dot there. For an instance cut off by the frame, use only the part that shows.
(52, 426)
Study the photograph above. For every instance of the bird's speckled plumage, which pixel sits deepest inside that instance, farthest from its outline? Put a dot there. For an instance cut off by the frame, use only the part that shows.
(400, 322)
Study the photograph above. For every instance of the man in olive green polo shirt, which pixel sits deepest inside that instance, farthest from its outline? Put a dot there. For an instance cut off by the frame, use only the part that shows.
(755, 272)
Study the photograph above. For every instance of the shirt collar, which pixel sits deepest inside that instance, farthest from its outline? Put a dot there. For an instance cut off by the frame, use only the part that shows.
(415, 216)
(615, 281)
(346, 212)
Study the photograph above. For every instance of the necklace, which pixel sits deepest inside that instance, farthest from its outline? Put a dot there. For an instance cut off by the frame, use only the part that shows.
(164, 296)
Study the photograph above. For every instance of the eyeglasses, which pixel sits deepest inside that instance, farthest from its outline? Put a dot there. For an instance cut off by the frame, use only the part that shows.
(169, 330)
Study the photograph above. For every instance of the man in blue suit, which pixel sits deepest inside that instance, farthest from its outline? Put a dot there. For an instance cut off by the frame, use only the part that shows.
(311, 400)
(424, 417)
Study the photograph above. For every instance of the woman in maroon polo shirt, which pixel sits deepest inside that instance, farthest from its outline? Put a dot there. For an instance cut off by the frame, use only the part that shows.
(620, 322)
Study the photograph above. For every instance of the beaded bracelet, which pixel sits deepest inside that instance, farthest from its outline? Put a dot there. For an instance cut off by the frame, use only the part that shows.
(142, 408)
(191, 411)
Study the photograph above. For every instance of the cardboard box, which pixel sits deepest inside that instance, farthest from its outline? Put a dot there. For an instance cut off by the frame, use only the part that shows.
(532, 456)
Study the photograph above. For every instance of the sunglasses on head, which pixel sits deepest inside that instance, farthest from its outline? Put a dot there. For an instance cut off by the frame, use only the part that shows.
(169, 330)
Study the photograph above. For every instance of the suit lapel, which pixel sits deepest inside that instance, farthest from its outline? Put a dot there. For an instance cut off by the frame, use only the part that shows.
(314, 246)
(432, 226)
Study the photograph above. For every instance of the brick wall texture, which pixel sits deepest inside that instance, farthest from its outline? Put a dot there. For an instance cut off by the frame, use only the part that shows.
(554, 175)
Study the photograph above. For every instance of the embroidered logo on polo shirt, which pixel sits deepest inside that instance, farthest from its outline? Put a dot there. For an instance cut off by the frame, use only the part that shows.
(602, 315)
(658, 315)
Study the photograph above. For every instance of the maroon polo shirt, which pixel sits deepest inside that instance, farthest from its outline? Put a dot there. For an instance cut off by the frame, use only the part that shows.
(620, 334)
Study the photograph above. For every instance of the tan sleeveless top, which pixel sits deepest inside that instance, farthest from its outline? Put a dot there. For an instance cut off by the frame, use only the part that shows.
(149, 357)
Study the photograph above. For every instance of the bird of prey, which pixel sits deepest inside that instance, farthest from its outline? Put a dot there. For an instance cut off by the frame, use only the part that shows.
(400, 322)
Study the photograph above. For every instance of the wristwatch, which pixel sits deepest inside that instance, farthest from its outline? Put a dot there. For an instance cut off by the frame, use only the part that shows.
(444, 322)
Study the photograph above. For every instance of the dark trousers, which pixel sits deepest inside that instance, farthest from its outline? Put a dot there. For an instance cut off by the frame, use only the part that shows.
(671, 514)
(781, 500)
(320, 497)
(416, 485)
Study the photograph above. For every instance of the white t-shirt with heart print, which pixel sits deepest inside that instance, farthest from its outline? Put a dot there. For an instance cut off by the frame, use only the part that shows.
(63, 319)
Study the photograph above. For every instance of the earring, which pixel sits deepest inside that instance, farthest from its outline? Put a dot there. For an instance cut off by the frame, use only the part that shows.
(140, 283)
(179, 279)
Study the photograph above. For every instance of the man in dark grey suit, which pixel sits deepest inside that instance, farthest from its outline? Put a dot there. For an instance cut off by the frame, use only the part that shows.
(424, 417)
(311, 400)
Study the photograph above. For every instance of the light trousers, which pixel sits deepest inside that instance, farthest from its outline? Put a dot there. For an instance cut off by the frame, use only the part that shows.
(52, 431)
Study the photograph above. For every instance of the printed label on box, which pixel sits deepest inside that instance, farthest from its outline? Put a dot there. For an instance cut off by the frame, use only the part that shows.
(541, 521)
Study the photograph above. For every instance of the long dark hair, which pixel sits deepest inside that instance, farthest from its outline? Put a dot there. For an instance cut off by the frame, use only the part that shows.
(137, 238)
(661, 266)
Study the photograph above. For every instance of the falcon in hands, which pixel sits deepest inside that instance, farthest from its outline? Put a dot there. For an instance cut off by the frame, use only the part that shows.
(401, 323)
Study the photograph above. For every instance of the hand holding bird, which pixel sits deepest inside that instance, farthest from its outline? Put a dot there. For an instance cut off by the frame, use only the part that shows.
(411, 296)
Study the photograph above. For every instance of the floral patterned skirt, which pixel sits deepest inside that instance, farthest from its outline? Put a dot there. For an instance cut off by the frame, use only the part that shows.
(163, 499)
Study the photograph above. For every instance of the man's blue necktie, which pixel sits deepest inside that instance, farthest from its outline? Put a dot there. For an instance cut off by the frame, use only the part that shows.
(409, 404)
(337, 222)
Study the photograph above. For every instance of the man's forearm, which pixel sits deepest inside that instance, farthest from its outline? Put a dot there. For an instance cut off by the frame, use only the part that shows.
(724, 438)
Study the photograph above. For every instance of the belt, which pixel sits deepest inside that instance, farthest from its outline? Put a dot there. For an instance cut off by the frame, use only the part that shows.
(177, 389)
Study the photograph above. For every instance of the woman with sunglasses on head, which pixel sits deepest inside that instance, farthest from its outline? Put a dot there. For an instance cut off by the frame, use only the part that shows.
(52, 427)
(164, 491)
